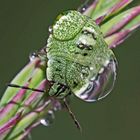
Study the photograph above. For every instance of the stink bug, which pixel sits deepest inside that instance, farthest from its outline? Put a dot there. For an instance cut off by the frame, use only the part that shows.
(79, 58)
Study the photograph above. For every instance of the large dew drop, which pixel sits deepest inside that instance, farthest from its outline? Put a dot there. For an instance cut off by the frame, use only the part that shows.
(101, 85)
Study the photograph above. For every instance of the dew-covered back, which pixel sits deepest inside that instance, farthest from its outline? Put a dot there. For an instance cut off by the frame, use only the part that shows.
(68, 25)
(78, 56)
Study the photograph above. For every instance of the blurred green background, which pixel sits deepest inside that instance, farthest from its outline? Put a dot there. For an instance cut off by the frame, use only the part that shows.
(24, 29)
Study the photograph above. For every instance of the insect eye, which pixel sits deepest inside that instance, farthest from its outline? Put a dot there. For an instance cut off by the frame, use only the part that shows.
(88, 32)
(84, 46)
(101, 85)
(87, 39)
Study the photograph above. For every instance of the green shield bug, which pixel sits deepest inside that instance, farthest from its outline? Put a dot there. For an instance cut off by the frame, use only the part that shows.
(79, 59)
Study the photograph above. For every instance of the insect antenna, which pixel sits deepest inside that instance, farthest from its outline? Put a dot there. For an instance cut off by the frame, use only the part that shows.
(72, 115)
(25, 87)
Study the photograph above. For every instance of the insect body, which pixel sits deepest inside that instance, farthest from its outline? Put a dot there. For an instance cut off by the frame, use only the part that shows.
(79, 60)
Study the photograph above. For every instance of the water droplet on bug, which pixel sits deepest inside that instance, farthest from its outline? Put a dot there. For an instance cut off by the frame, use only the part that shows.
(83, 9)
(100, 85)
(50, 29)
(32, 56)
(48, 120)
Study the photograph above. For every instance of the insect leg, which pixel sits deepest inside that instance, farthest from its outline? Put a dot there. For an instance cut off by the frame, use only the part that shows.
(72, 115)
(24, 87)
